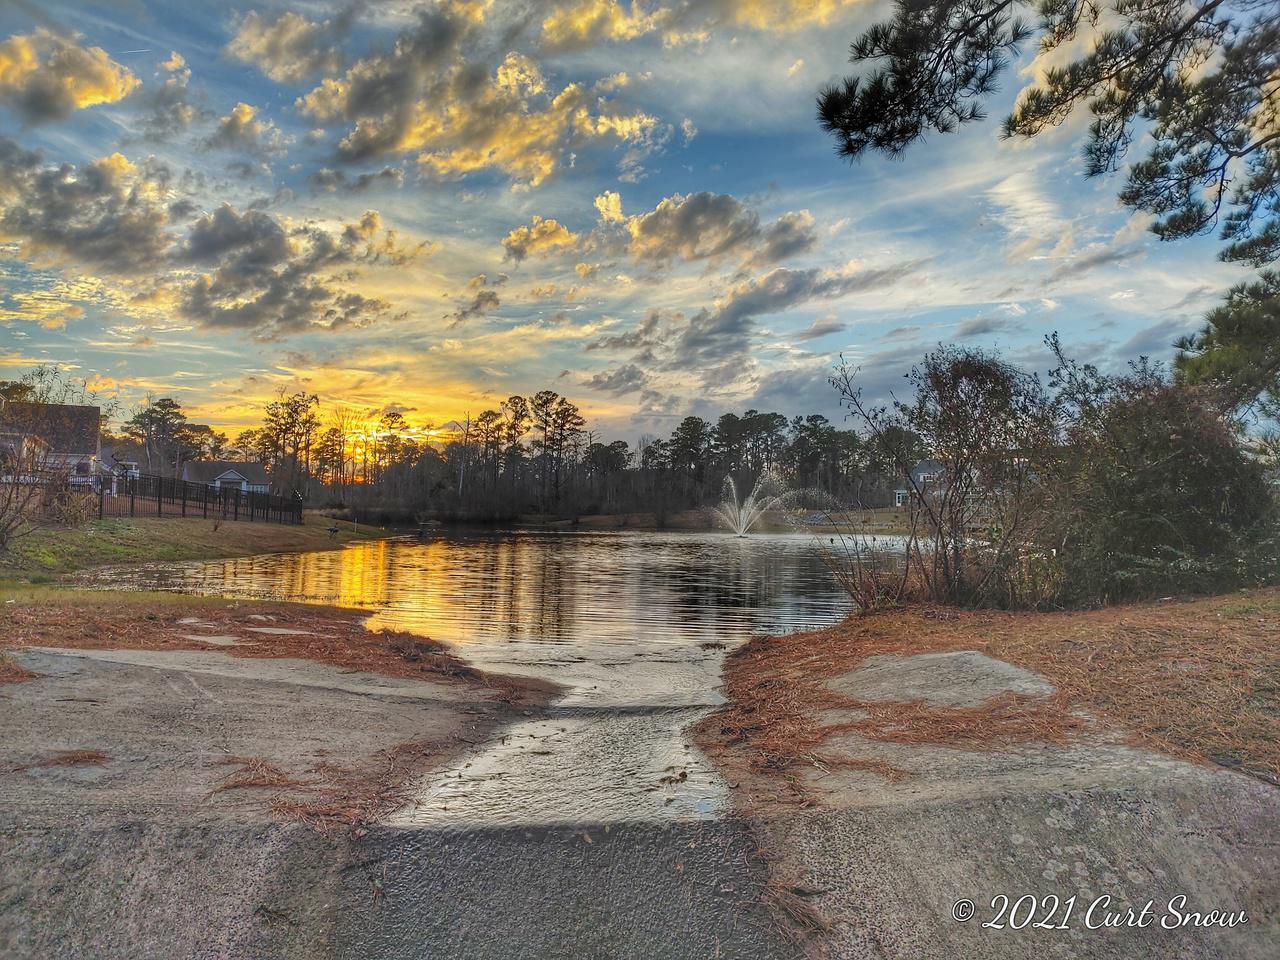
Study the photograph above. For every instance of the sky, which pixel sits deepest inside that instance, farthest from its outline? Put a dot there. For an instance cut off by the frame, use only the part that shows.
(428, 207)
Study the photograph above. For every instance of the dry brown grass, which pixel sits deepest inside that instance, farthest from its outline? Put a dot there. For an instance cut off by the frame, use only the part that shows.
(66, 758)
(1199, 680)
(13, 672)
(254, 773)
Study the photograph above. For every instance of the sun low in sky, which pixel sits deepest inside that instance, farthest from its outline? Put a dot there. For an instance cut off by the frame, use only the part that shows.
(432, 206)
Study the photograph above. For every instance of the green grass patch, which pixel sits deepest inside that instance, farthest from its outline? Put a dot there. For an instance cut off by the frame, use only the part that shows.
(49, 553)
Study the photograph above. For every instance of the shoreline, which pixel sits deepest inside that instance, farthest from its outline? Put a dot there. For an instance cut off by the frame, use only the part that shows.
(199, 776)
(52, 554)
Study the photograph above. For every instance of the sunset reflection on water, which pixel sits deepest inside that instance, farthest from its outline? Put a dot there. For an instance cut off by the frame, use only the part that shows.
(552, 587)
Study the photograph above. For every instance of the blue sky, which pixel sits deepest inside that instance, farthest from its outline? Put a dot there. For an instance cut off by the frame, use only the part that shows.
(435, 206)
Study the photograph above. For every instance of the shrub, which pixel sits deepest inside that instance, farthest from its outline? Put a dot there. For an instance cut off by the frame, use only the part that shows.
(974, 530)
(1155, 494)
(1099, 489)
(70, 507)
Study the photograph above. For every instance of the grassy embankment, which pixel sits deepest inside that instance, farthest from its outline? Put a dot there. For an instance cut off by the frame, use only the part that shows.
(49, 553)
(1197, 679)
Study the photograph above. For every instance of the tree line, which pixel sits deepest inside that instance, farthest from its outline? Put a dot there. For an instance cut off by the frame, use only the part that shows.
(530, 455)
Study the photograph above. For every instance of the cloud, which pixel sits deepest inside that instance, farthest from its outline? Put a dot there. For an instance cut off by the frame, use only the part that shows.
(275, 280)
(326, 180)
(1159, 339)
(699, 226)
(626, 379)
(781, 16)
(1195, 295)
(581, 23)
(789, 236)
(48, 308)
(424, 97)
(169, 109)
(707, 226)
(647, 334)
(726, 329)
(1098, 255)
(806, 389)
(821, 327)
(985, 324)
(588, 22)
(242, 130)
(106, 214)
(44, 76)
(541, 238)
(289, 48)
(609, 205)
(480, 304)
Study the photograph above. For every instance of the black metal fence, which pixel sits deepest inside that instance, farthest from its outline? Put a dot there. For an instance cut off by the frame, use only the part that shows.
(149, 496)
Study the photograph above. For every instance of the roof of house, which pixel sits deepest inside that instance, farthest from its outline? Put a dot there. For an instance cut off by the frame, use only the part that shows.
(207, 471)
(929, 466)
(64, 428)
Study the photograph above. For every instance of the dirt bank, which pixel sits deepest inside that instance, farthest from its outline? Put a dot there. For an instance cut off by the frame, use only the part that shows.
(895, 764)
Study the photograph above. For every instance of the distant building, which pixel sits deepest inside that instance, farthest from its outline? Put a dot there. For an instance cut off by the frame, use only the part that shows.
(117, 463)
(228, 474)
(925, 476)
(65, 436)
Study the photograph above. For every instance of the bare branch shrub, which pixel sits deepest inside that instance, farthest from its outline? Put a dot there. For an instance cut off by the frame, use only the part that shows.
(972, 530)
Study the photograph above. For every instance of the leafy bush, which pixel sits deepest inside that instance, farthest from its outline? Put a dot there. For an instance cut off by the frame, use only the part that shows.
(1155, 493)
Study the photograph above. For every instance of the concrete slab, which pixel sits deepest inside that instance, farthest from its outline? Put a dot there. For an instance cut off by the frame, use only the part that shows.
(964, 678)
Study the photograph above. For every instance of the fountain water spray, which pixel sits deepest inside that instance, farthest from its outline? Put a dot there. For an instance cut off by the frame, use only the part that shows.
(741, 515)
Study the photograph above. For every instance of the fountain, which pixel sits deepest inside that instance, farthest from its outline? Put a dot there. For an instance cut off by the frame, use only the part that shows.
(741, 515)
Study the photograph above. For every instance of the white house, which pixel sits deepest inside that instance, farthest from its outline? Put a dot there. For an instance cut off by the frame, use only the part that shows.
(51, 437)
(228, 474)
(927, 476)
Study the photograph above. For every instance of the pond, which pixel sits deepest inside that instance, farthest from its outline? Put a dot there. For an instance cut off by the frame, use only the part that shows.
(633, 625)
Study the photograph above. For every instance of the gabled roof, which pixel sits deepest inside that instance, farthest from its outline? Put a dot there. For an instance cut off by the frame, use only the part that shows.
(207, 471)
(64, 428)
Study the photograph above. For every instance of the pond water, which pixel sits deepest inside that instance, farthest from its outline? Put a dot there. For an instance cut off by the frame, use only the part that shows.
(633, 625)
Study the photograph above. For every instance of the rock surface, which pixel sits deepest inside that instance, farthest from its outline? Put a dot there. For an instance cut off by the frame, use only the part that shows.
(884, 862)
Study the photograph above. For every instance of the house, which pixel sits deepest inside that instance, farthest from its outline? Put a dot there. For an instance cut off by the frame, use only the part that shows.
(228, 474)
(925, 476)
(51, 437)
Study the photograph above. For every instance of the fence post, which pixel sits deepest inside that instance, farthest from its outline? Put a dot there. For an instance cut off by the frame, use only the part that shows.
(184, 497)
(206, 501)
(133, 492)
(102, 500)
(159, 497)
